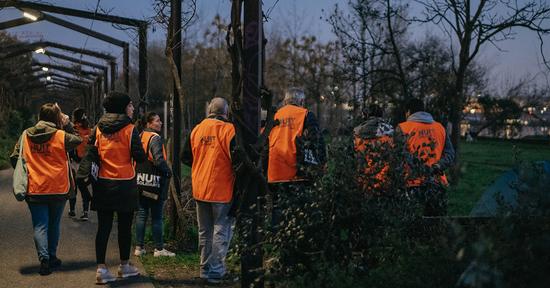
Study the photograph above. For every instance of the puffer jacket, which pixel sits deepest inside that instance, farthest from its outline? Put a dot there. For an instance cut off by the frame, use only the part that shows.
(117, 195)
(40, 133)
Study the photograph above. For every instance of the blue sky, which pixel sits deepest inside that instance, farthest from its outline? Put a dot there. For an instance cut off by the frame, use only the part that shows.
(522, 56)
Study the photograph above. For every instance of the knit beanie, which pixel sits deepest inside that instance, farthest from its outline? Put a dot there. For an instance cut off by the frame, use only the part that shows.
(116, 102)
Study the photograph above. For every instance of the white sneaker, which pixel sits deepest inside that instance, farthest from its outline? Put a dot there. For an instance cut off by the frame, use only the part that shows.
(103, 276)
(164, 253)
(139, 251)
(127, 270)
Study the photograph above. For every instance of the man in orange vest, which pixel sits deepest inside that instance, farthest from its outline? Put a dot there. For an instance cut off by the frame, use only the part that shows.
(378, 132)
(296, 148)
(428, 140)
(209, 152)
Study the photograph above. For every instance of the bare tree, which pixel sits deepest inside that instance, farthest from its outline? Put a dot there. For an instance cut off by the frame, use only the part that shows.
(472, 24)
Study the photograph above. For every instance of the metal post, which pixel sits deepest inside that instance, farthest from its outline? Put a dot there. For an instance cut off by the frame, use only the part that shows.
(142, 30)
(105, 81)
(126, 67)
(113, 74)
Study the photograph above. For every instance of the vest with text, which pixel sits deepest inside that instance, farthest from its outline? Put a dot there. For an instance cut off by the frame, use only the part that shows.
(421, 136)
(212, 174)
(282, 143)
(115, 154)
(48, 165)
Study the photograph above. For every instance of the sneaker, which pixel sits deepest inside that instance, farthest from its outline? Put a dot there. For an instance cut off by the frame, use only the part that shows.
(226, 279)
(213, 280)
(84, 217)
(54, 262)
(164, 253)
(45, 267)
(72, 214)
(139, 251)
(127, 270)
(103, 276)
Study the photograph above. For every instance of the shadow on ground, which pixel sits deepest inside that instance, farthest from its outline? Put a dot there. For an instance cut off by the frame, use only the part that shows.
(65, 267)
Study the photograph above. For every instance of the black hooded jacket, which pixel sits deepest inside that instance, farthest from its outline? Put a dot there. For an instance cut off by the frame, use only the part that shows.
(117, 195)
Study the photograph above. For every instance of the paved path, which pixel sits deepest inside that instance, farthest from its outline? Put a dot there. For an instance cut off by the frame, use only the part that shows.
(18, 259)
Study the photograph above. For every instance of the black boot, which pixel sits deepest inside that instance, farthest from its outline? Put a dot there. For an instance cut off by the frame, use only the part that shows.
(54, 262)
(45, 267)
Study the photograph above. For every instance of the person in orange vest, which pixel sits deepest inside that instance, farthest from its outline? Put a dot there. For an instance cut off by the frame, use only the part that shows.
(82, 128)
(379, 132)
(428, 140)
(119, 147)
(153, 181)
(45, 148)
(209, 151)
(296, 149)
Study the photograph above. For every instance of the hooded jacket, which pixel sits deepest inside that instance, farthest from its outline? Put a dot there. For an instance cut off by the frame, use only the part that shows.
(40, 133)
(156, 147)
(447, 157)
(117, 195)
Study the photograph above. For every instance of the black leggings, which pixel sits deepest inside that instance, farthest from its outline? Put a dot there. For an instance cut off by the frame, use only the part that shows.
(104, 225)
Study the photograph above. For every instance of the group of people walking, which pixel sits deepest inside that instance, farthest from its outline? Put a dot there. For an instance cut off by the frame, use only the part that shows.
(128, 172)
(53, 160)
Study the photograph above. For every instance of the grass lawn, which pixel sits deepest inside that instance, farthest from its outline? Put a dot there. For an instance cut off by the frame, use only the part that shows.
(482, 162)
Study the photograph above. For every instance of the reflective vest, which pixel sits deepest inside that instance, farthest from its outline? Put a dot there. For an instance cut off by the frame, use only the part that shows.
(146, 137)
(47, 165)
(212, 173)
(360, 146)
(282, 144)
(115, 154)
(84, 133)
(421, 135)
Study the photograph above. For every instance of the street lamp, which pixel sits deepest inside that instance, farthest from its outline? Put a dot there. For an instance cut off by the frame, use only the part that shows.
(45, 69)
(30, 16)
(40, 51)
(49, 78)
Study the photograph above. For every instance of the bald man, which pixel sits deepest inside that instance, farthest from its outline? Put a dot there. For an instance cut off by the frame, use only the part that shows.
(208, 150)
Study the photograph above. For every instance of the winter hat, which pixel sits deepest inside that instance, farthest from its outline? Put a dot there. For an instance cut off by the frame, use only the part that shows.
(116, 102)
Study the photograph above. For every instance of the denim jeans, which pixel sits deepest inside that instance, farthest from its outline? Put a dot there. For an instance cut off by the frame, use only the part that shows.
(215, 233)
(156, 209)
(46, 218)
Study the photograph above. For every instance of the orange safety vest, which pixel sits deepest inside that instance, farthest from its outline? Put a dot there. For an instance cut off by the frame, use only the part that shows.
(146, 137)
(48, 165)
(282, 144)
(212, 173)
(85, 135)
(115, 154)
(360, 146)
(420, 144)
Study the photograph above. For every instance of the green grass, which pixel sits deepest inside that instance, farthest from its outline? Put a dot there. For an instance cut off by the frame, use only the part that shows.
(182, 260)
(483, 162)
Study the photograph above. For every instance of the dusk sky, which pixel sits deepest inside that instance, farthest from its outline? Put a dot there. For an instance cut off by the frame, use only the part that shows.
(521, 60)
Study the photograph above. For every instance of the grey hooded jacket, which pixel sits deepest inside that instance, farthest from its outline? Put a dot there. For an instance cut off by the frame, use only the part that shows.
(448, 156)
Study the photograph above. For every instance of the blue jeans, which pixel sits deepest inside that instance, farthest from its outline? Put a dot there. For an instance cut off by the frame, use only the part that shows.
(46, 218)
(214, 237)
(156, 208)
